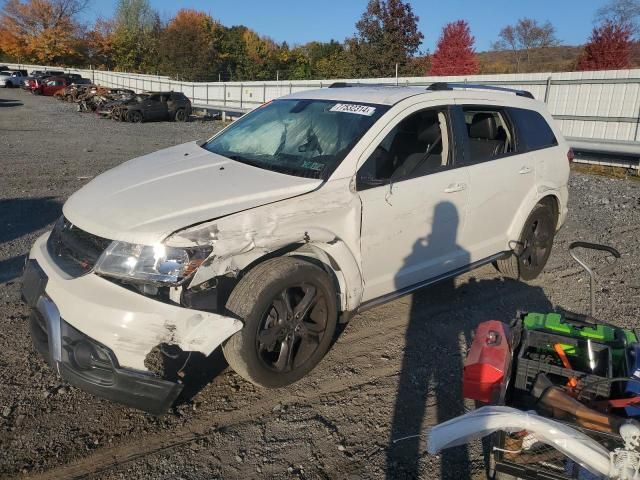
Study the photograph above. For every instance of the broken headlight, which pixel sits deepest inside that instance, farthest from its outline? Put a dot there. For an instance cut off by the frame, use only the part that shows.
(156, 264)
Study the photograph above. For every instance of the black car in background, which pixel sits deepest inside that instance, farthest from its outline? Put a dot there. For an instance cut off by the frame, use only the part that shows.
(152, 106)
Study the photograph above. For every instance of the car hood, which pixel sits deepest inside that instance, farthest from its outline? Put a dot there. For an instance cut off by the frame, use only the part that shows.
(146, 199)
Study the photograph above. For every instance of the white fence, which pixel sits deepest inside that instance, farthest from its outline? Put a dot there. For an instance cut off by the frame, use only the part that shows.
(587, 105)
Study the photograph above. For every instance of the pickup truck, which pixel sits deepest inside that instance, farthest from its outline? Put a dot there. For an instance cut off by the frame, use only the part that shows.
(11, 78)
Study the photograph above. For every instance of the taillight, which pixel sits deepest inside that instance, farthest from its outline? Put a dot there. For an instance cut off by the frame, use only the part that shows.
(570, 155)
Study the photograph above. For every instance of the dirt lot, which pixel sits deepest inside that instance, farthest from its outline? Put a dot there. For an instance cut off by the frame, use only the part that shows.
(392, 372)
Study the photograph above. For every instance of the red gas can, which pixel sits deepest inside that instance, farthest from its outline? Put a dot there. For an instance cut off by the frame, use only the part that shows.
(487, 364)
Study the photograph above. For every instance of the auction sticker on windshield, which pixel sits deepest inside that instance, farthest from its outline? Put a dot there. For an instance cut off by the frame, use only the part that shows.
(353, 108)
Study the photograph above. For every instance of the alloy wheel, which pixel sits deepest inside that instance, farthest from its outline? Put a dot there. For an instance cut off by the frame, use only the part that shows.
(292, 328)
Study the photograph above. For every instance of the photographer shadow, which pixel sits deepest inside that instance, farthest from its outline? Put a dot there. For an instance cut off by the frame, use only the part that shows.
(441, 322)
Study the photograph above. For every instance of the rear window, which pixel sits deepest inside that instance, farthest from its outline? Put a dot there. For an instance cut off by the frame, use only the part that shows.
(534, 132)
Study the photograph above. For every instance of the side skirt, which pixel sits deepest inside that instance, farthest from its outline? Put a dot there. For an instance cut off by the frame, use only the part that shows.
(412, 288)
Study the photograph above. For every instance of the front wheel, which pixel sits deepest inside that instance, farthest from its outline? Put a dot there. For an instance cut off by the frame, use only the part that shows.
(531, 252)
(289, 310)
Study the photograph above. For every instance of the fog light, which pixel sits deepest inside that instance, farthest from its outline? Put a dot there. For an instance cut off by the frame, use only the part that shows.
(84, 355)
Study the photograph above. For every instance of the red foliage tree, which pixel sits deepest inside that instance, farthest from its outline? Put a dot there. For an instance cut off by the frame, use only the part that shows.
(609, 48)
(454, 53)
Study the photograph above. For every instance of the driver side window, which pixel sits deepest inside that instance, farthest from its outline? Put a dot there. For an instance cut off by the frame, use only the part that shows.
(417, 146)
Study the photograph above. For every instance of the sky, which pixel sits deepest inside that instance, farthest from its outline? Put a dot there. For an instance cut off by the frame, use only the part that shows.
(300, 21)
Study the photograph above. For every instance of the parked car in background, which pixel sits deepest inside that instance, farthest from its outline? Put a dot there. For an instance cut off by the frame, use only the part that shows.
(12, 78)
(307, 210)
(49, 85)
(3, 68)
(155, 106)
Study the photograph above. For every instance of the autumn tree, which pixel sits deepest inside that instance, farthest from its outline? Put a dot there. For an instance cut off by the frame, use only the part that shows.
(99, 44)
(43, 31)
(386, 34)
(620, 12)
(189, 46)
(609, 48)
(524, 38)
(454, 53)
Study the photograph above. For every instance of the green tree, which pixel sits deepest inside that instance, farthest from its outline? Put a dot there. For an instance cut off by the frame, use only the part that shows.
(386, 34)
(136, 36)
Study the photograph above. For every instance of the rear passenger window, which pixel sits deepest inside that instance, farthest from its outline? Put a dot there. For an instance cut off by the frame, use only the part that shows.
(534, 132)
(490, 134)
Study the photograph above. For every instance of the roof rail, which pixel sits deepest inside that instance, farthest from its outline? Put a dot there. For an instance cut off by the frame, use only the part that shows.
(363, 84)
(439, 86)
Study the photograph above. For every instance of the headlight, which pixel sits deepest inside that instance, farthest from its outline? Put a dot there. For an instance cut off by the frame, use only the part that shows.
(157, 264)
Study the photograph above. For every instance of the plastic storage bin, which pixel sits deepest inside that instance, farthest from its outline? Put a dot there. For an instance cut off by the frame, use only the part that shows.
(537, 356)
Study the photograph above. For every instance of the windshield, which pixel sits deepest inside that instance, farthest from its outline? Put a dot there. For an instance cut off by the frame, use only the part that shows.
(306, 138)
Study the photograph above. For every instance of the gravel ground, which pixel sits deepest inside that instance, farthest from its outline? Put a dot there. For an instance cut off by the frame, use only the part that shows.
(392, 372)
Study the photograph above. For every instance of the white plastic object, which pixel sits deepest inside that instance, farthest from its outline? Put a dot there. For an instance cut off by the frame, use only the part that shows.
(486, 420)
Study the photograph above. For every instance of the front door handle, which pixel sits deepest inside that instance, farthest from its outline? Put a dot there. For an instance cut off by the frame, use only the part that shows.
(455, 187)
(524, 170)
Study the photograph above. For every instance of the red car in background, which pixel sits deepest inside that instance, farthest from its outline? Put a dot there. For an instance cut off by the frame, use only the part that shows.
(48, 86)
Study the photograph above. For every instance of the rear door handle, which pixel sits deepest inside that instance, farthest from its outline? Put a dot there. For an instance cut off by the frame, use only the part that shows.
(524, 170)
(455, 187)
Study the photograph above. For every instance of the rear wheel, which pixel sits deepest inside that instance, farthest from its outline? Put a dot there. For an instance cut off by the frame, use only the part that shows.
(134, 116)
(533, 248)
(36, 91)
(181, 115)
(289, 310)
(8, 84)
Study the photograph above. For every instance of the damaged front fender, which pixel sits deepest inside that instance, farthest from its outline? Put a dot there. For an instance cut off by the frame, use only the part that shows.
(324, 224)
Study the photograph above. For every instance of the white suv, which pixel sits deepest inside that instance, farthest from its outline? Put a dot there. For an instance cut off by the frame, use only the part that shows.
(305, 211)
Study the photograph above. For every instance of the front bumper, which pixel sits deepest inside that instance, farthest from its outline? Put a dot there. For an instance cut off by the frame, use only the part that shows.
(84, 362)
(121, 326)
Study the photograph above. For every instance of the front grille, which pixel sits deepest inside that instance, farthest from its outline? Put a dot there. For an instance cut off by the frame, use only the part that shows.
(74, 250)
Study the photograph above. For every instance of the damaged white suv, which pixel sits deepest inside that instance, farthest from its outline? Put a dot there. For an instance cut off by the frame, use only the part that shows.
(305, 211)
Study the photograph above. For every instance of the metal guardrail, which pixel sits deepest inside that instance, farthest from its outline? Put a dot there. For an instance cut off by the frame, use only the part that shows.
(588, 115)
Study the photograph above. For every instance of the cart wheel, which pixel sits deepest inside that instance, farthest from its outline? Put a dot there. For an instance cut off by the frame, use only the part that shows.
(490, 464)
(490, 460)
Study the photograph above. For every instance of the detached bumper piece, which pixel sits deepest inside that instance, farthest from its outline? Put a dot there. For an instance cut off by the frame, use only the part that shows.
(84, 362)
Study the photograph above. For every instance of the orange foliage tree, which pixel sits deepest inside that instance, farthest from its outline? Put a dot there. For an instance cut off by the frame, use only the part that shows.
(40, 30)
(188, 45)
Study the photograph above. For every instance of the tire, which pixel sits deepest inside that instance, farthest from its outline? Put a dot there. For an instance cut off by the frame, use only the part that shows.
(180, 115)
(134, 116)
(36, 91)
(530, 254)
(259, 352)
(8, 84)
